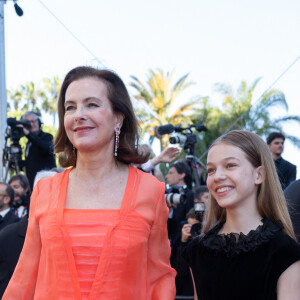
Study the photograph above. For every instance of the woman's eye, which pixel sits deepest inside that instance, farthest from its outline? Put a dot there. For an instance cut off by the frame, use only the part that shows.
(210, 171)
(70, 107)
(231, 165)
(93, 105)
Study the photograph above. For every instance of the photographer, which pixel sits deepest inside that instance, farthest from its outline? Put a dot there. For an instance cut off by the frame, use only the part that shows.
(183, 280)
(179, 176)
(39, 154)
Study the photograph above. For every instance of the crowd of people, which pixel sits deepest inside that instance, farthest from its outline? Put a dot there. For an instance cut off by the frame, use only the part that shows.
(109, 225)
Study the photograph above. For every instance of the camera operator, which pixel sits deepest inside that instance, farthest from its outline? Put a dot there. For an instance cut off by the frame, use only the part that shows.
(179, 175)
(39, 154)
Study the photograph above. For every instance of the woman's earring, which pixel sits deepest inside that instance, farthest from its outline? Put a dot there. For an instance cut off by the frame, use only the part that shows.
(117, 131)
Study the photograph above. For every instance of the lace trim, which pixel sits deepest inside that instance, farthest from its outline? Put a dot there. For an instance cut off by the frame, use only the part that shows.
(235, 243)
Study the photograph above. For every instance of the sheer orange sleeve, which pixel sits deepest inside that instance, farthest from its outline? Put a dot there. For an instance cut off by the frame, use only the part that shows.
(23, 281)
(161, 277)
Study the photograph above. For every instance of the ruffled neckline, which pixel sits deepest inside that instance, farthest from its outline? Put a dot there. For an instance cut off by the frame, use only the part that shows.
(235, 243)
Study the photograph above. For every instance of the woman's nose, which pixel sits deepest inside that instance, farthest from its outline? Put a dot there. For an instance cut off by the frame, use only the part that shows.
(80, 114)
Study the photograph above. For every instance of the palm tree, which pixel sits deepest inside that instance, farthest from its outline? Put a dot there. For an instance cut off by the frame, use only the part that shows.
(33, 96)
(256, 117)
(240, 112)
(158, 102)
(52, 87)
(15, 96)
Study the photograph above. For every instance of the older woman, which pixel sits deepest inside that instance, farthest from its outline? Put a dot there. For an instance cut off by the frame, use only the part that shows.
(97, 230)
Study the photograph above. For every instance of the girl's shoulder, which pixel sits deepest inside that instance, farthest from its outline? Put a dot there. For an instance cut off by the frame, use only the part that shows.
(233, 244)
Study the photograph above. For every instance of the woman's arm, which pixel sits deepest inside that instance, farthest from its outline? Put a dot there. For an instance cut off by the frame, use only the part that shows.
(288, 286)
(23, 281)
(160, 277)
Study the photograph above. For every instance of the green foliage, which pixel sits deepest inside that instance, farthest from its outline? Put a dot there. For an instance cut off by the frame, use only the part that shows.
(240, 112)
(158, 102)
(39, 98)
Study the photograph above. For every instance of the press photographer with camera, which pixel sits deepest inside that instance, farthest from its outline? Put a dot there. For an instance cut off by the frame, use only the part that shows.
(179, 196)
(39, 154)
(193, 229)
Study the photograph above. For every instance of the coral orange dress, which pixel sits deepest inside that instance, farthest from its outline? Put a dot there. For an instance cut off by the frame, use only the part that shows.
(87, 229)
(134, 259)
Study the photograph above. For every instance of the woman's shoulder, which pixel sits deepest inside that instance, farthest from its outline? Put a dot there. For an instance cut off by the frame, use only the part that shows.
(149, 181)
(48, 183)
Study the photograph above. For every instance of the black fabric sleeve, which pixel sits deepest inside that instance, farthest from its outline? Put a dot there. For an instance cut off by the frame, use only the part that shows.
(44, 142)
(287, 253)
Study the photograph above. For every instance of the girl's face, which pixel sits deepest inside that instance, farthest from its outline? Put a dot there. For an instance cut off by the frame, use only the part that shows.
(232, 180)
(89, 119)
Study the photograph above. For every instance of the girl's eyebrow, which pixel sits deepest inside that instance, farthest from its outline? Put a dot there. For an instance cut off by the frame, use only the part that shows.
(223, 160)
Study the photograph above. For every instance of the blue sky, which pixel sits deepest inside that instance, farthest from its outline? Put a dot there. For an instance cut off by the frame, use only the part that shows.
(214, 41)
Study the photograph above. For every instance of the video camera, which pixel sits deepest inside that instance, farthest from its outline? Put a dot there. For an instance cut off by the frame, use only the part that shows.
(185, 137)
(15, 132)
(12, 152)
(187, 140)
(175, 195)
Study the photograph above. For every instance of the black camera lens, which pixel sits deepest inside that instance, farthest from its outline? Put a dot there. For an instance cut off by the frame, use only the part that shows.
(196, 229)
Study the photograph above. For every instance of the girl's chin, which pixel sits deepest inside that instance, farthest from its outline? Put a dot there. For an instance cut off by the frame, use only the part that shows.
(224, 203)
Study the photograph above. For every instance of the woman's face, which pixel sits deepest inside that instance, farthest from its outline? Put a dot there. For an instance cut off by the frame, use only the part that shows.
(89, 119)
(232, 180)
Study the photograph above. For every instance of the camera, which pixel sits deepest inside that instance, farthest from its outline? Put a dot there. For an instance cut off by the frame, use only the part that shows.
(187, 140)
(199, 208)
(15, 132)
(12, 152)
(175, 195)
(184, 136)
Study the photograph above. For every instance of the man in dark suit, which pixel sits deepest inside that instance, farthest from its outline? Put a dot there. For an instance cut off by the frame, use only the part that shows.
(20, 184)
(179, 177)
(7, 215)
(11, 243)
(285, 170)
(39, 154)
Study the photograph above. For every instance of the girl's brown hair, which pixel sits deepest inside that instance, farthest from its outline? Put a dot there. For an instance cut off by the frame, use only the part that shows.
(120, 102)
(270, 199)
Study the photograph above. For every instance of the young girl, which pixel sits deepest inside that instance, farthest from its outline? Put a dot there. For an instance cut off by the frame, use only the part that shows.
(248, 249)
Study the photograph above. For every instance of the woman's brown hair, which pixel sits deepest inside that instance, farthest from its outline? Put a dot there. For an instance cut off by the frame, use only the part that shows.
(270, 199)
(120, 103)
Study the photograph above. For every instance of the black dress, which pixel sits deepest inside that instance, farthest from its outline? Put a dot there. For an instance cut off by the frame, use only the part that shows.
(238, 266)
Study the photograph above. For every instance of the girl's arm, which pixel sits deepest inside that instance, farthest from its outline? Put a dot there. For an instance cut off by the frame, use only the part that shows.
(288, 286)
